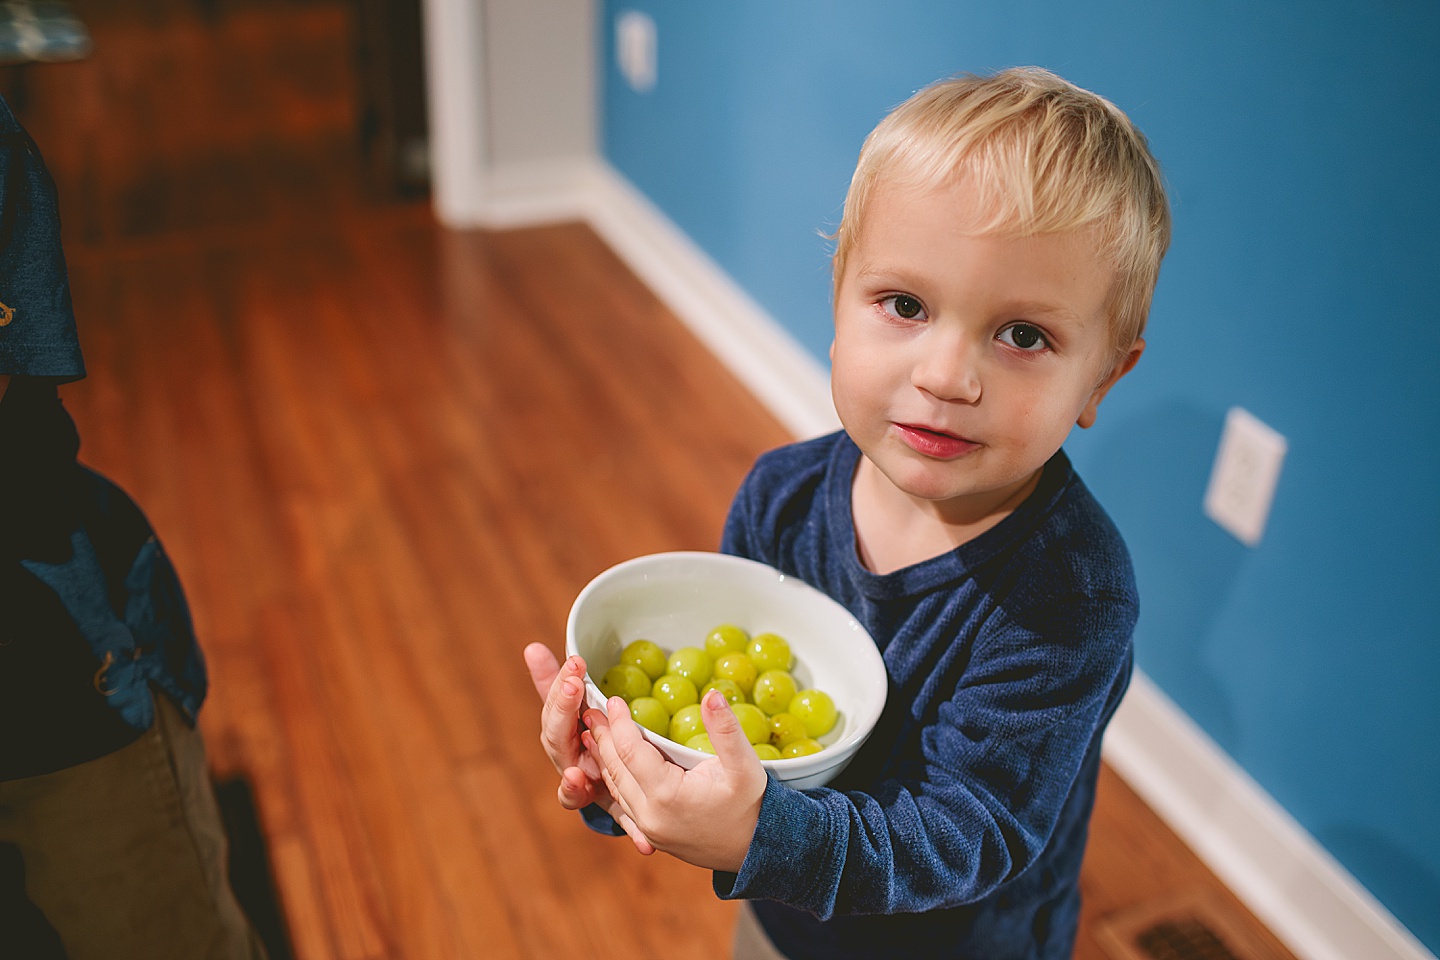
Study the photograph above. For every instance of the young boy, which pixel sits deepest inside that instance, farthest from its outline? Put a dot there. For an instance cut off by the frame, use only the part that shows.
(110, 841)
(994, 266)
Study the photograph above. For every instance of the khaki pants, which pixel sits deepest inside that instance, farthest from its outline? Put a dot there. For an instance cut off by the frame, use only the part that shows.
(750, 942)
(125, 855)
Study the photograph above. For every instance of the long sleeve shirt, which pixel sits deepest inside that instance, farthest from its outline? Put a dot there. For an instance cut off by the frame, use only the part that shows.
(958, 830)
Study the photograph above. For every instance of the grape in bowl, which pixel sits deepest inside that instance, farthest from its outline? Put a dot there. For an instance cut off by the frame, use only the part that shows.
(677, 599)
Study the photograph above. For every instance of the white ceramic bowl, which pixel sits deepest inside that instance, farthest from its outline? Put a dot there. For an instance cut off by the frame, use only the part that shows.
(676, 599)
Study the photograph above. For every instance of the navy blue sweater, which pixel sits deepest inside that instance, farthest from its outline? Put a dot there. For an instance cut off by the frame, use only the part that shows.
(959, 828)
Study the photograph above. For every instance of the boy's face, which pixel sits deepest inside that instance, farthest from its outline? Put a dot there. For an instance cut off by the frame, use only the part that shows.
(961, 360)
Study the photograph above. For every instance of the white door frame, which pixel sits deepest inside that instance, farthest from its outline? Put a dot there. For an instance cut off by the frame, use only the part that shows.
(455, 95)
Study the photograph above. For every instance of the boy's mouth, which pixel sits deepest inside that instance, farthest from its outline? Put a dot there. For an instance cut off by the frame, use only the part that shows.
(932, 442)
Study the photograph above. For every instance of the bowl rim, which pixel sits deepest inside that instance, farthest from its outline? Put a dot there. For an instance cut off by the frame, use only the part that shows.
(787, 767)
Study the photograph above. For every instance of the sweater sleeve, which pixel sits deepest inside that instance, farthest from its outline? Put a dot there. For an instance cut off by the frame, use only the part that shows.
(998, 761)
(37, 319)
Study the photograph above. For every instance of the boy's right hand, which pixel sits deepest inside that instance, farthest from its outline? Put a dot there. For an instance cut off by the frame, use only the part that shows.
(562, 688)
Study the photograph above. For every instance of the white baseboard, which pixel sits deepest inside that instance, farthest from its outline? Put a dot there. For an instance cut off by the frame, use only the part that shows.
(1282, 874)
(550, 191)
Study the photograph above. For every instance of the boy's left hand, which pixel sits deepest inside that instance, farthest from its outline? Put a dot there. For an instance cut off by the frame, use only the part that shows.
(705, 816)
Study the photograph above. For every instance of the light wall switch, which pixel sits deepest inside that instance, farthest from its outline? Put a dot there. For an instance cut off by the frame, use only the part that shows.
(1242, 483)
(635, 49)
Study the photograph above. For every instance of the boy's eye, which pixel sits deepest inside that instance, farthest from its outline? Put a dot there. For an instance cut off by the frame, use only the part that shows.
(903, 306)
(1024, 336)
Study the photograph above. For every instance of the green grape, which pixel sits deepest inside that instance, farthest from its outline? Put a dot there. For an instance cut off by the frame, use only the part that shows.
(646, 655)
(785, 729)
(726, 638)
(685, 724)
(773, 691)
(648, 712)
(692, 663)
(625, 680)
(753, 722)
(769, 651)
(800, 748)
(765, 751)
(816, 710)
(674, 693)
(729, 689)
(737, 668)
(701, 742)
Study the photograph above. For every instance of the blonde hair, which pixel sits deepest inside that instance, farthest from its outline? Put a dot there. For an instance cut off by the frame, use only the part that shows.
(1045, 156)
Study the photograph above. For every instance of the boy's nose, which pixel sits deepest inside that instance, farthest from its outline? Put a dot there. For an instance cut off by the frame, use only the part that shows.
(946, 369)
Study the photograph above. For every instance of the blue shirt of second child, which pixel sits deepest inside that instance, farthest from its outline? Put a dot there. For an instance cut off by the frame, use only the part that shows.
(93, 619)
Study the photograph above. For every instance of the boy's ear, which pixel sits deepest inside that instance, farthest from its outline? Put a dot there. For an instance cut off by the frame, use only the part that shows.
(1122, 367)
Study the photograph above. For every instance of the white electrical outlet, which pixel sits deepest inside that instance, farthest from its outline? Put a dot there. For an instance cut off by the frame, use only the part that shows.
(635, 49)
(1242, 483)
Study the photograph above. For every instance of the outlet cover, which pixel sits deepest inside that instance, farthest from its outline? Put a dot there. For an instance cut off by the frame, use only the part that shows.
(635, 49)
(1242, 483)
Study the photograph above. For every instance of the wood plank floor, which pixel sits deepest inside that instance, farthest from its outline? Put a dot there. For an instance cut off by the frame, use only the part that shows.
(385, 457)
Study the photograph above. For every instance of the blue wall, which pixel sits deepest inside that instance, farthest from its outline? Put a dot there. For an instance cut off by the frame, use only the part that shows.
(1300, 140)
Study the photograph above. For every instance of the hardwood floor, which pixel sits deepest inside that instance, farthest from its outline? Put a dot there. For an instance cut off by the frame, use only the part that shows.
(385, 457)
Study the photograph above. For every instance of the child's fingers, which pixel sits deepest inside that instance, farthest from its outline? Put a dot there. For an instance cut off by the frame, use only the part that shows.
(562, 687)
(547, 673)
(607, 778)
(642, 844)
(619, 806)
(576, 790)
(558, 730)
(543, 668)
(726, 735)
(633, 766)
(588, 764)
(633, 831)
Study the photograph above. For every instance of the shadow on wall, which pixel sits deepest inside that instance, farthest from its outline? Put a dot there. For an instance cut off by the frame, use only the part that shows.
(1145, 471)
(1408, 888)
